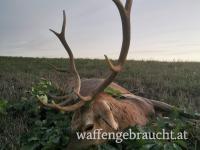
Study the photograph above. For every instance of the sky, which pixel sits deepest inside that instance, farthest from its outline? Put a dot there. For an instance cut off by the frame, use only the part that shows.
(164, 30)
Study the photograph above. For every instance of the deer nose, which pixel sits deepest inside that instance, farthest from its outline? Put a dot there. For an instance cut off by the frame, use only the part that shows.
(88, 127)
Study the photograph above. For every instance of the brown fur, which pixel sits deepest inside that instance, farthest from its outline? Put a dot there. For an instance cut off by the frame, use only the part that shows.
(108, 113)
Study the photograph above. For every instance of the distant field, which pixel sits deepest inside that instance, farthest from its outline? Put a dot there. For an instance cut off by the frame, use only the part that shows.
(177, 83)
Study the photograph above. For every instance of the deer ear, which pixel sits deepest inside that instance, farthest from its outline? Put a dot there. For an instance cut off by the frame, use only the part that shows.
(103, 109)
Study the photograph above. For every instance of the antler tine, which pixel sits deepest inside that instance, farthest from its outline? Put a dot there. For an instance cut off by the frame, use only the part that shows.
(63, 108)
(61, 37)
(128, 7)
(126, 28)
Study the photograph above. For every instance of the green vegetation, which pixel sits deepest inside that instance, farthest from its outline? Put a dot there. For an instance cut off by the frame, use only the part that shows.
(24, 125)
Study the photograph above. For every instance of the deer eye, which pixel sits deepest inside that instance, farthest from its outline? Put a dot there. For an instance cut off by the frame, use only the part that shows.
(89, 127)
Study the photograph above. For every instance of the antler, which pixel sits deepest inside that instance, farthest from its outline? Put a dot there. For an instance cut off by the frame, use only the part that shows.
(61, 37)
(73, 69)
(115, 69)
(126, 28)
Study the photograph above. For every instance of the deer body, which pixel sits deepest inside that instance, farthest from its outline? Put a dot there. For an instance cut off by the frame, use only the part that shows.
(107, 113)
(125, 111)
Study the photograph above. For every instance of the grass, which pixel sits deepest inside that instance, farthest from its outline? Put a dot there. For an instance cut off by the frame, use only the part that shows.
(177, 83)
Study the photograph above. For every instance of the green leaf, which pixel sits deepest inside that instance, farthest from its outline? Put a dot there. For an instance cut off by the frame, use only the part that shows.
(168, 146)
(32, 146)
(181, 143)
(147, 146)
(113, 92)
(3, 106)
(176, 147)
(157, 146)
(33, 139)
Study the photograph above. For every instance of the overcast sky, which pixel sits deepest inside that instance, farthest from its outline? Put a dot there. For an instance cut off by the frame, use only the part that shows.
(161, 29)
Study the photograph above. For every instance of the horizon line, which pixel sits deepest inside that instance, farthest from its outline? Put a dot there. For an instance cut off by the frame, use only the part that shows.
(145, 60)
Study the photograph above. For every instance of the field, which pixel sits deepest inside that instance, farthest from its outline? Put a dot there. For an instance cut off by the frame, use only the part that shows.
(177, 83)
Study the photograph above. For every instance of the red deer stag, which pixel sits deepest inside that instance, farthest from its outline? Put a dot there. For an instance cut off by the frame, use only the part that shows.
(94, 108)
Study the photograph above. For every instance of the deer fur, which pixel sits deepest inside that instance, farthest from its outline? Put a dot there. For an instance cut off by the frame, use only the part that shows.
(107, 113)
